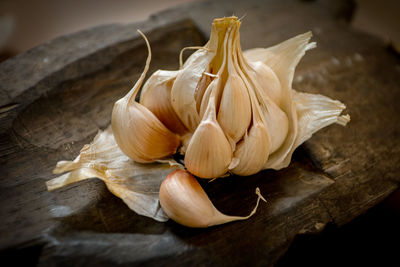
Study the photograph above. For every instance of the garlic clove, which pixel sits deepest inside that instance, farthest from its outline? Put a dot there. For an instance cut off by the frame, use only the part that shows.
(277, 125)
(213, 86)
(252, 151)
(184, 201)
(156, 96)
(209, 153)
(140, 135)
(267, 79)
(234, 115)
(137, 131)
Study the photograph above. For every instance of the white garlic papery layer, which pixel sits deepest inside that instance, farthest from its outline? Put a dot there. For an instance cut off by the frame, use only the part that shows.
(230, 111)
(135, 183)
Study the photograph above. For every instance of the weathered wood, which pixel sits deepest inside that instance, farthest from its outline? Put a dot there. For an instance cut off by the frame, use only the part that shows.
(55, 97)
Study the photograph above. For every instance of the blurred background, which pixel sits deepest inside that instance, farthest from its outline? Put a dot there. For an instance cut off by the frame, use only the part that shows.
(25, 24)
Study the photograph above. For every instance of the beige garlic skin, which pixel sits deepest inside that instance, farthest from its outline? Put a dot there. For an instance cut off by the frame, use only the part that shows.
(184, 201)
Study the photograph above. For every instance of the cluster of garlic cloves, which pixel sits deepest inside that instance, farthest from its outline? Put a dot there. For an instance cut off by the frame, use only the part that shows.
(224, 110)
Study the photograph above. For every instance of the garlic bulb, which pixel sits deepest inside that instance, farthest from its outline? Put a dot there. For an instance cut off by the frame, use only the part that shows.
(137, 131)
(231, 111)
(184, 200)
(225, 110)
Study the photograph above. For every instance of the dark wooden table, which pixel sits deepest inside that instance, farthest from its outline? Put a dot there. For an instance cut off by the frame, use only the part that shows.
(55, 97)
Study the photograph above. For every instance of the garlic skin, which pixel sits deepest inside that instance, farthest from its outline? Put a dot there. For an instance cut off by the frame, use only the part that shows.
(184, 201)
(183, 92)
(135, 183)
(137, 131)
(283, 59)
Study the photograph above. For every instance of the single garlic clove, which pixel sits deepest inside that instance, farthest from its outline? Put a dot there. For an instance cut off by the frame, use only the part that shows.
(140, 135)
(276, 121)
(137, 131)
(267, 80)
(252, 151)
(209, 152)
(277, 125)
(214, 85)
(234, 114)
(156, 96)
(184, 201)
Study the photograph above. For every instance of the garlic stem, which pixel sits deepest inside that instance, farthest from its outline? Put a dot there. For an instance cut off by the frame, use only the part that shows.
(133, 92)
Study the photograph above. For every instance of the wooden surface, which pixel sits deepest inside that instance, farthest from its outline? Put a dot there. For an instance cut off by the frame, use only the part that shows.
(54, 98)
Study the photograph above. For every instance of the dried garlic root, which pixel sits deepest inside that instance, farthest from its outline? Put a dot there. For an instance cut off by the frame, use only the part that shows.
(226, 110)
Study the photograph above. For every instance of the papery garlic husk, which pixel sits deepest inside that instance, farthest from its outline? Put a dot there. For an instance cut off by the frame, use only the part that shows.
(137, 131)
(282, 59)
(268, 91)
(184, 201)
(156, 96)
(186, 86)
(135, 183)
